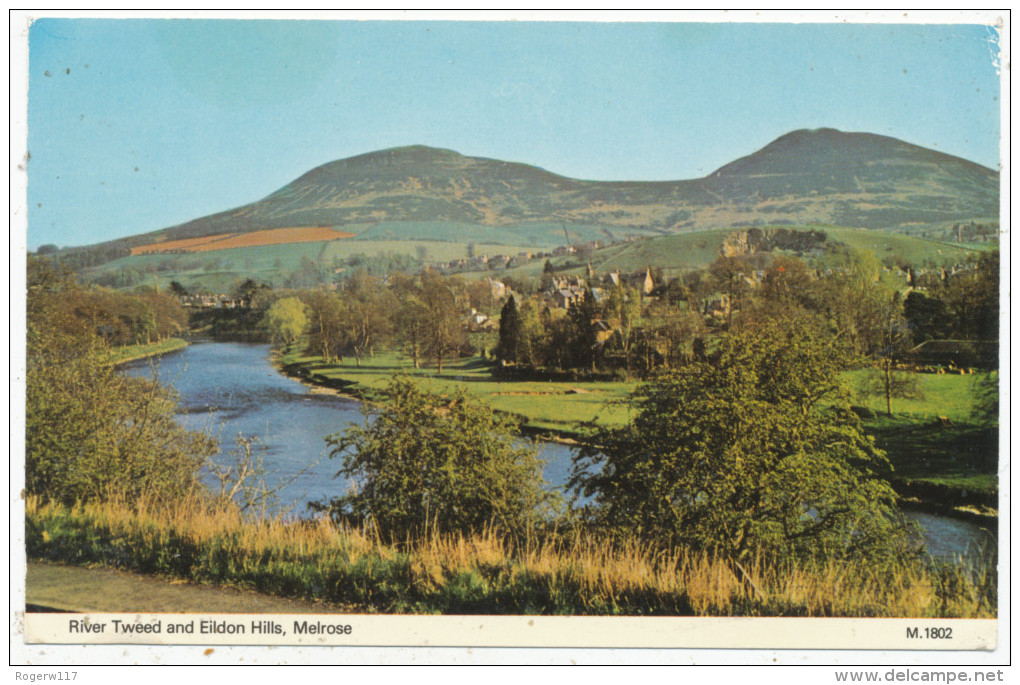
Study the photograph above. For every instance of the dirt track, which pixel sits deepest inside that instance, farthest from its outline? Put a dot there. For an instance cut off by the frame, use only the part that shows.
(54, 587)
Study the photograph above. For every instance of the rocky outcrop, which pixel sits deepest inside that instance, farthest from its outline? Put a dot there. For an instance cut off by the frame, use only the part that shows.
(755, 240)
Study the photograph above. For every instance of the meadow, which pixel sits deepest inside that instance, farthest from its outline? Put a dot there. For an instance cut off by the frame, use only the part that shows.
(542, 405)
(937, 460)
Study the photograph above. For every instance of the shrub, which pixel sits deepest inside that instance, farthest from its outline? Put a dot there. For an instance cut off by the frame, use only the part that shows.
(754, 451)
(427, 462)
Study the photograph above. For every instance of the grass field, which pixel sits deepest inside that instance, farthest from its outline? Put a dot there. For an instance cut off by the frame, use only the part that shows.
(219, 270)
(914, 250)
(962, 456)
(531, 234)
(545, 405)
(948, 395)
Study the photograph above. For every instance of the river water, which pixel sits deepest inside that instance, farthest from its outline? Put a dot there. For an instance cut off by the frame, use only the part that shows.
(231, 389)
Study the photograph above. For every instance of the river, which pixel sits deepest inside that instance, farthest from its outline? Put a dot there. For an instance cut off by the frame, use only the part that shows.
(231, 389)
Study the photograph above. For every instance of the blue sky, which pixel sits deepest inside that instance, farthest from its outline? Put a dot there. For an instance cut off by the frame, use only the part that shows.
(135, 125)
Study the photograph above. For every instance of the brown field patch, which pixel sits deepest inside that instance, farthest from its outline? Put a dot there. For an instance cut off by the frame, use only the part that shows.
(226, 241)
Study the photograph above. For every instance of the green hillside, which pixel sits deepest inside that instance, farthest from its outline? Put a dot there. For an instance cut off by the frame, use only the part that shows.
(805, 177)
(681, 252)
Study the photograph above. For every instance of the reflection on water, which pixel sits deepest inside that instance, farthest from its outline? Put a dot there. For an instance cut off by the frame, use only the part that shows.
(230, 389)
(951, 538)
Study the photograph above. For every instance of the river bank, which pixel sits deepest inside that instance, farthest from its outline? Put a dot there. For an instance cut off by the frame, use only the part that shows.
(306, 374)
(476, 574)
(542, 406)
(131, 353)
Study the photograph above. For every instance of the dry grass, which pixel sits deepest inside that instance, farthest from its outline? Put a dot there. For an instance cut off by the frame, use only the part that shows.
(483, 573)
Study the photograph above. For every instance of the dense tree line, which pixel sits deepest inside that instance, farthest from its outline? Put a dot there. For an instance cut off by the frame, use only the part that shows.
(859, 299)
(421, 314)
(92, 432)
(144, 315)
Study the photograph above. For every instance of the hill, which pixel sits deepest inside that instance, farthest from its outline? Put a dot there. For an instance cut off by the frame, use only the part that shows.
(821, 176)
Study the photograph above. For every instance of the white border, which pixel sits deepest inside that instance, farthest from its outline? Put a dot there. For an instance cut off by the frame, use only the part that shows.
(21, 653)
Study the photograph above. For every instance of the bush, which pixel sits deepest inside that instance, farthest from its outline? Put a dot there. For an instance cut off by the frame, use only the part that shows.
(430, 463)
(92, 431)
(753, 451)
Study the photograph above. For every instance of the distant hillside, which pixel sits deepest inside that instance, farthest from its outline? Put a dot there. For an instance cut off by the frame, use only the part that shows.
(822, 176)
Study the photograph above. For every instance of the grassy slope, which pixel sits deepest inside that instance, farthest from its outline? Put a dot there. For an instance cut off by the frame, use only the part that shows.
(912, 249)
(676, 253)
(682, 252)
(219, 270)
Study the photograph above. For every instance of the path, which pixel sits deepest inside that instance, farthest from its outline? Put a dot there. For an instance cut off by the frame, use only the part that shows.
(55, 587)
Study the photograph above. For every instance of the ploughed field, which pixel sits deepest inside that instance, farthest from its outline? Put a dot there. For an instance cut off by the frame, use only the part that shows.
(227, 241)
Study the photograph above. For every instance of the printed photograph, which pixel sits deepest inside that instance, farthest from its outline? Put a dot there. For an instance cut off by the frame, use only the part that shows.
(517, 318)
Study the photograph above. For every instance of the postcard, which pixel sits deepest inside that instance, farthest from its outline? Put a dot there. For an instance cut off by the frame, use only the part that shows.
(561, 330)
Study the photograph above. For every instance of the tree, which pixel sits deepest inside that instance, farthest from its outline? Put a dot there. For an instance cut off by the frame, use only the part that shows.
(247, 290)
(412, 327)
(444, 334)
(622, 312)
(669, 332)
(286, 320)
(177, 289)
(928, 317)
(787, 281)
(511, 332)
(90, 431)
(583, 316)
(972, 297)
(895, 341)
(367, 311)
(753, 451)
(729, 274)
(425, 462)
(326, 332)
(854, 298)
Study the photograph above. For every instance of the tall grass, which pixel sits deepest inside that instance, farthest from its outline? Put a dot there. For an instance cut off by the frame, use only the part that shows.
(483, 573)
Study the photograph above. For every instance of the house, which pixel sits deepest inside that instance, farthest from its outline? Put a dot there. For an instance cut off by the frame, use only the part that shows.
(719, 306)
(563, 298)
(603, 331)
(477, 321)
(498, 289)
(644, 283)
